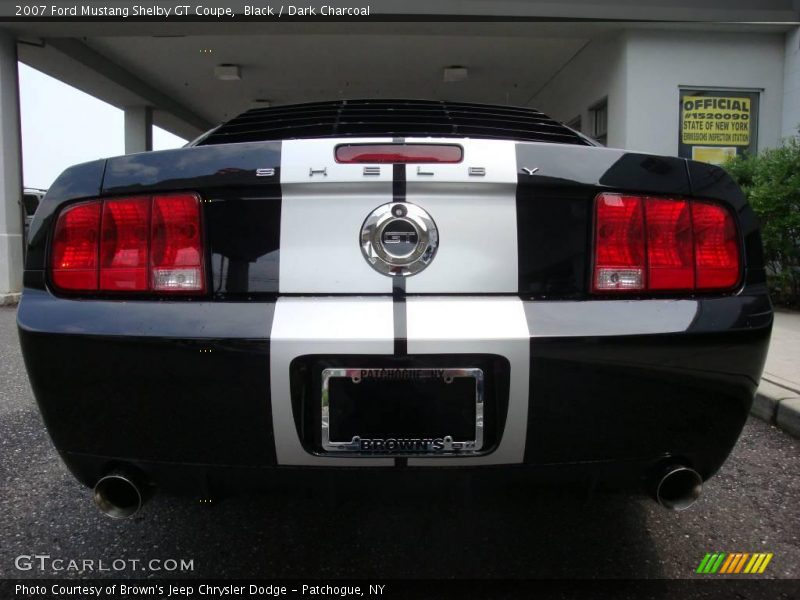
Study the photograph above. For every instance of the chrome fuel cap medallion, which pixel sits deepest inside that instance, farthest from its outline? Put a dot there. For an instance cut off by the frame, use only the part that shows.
(399, 239)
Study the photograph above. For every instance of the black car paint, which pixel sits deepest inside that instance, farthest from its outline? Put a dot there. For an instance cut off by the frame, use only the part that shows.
(182, 386)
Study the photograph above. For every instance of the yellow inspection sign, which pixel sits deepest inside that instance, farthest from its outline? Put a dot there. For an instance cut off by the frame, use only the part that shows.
(715, 121)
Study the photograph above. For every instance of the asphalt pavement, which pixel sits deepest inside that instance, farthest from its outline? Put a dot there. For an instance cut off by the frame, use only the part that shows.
(508, 532)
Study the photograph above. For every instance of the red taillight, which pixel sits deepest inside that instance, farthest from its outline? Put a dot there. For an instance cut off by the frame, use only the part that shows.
(136, 244)
(75, 246)
(399, 153)
(663, 244)
(124, 244)
(177, 256)
(669, 245)
(716, 246)
(620, 243)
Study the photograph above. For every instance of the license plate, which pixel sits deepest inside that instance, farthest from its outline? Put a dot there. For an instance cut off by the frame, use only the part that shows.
(400, 411)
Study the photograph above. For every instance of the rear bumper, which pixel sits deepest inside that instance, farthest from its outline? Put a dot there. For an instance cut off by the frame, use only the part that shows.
(194, 390)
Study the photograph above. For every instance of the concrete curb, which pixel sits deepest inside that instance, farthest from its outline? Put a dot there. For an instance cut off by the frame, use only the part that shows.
(9, 299)
(778, 406)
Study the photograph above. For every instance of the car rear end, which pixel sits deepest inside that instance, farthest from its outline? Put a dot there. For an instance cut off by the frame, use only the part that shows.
(377, 286)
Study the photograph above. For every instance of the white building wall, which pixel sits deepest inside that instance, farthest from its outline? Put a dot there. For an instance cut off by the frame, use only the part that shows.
(791, 83)
(660, 62)
(641, 72)
(597, 71)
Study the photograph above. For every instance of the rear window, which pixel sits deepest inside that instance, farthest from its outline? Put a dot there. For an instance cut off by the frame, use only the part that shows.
(392, 118)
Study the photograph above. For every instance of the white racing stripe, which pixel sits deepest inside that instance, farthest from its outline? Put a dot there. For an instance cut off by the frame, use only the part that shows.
(300, 157)
(303, 326)
(478, 326)
(498, 159)
(324, 205)
(476, 217)
(609, 317)
(321, 218)
(477, 240)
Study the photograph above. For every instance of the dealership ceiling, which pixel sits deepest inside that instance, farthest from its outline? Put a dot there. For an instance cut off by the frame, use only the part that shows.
(171, 66)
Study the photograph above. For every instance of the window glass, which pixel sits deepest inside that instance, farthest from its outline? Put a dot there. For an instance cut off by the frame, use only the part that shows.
(599, 114)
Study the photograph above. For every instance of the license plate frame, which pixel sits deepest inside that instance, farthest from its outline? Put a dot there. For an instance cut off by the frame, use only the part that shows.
(444, 445)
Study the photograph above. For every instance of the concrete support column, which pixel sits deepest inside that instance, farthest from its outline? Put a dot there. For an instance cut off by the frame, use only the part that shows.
(138, 129)
(10, 174)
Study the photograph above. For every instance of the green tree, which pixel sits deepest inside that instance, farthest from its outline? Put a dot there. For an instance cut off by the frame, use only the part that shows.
(771, 182)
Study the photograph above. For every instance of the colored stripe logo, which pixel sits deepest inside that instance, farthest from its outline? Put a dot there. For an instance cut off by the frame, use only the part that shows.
(732, 563)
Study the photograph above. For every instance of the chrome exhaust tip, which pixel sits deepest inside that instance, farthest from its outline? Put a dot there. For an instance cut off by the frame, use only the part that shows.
(678, 487)
(119, 495)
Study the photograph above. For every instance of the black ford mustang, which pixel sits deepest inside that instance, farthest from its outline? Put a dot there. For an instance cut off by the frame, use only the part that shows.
(367, 285)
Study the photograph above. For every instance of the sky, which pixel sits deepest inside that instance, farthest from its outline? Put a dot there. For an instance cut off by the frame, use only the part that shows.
(62, 126)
